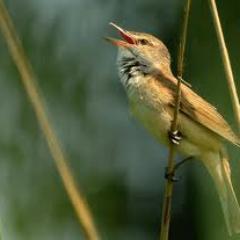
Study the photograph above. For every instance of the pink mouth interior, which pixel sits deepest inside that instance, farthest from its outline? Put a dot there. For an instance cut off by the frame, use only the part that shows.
(127, 38)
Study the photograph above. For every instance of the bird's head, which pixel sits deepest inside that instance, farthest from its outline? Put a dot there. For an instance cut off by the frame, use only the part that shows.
(146, 50)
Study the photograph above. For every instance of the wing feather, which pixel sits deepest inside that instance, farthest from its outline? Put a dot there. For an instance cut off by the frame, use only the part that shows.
(203, 112)
(198, 109)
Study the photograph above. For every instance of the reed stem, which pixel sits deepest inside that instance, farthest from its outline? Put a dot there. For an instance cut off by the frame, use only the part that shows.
(32, 90)
(167, 202)
(226, 61)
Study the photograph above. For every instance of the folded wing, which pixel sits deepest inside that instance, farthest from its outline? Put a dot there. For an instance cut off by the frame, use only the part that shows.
(199, 110)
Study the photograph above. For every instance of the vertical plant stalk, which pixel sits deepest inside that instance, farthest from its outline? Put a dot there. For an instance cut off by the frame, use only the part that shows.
(28, 79)
(167, 202)
(226, 61)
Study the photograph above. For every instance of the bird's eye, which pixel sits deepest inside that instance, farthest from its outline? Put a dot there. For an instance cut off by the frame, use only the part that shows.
(143, 41)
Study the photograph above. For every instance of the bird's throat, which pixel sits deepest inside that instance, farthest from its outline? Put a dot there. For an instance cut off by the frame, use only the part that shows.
(130, 70)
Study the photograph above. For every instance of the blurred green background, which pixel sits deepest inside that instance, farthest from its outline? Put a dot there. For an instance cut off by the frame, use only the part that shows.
(118, 166)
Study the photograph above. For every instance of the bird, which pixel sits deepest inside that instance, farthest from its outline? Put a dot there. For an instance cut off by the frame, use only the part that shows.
(144, 68)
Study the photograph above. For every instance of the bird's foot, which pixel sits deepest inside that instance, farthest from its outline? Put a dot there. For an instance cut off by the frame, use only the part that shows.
(175, 137)
(170, 175)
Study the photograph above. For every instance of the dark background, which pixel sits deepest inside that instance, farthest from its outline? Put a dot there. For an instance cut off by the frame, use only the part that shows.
(118, 166)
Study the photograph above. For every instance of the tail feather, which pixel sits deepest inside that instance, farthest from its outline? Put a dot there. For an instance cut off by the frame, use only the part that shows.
(218, 167)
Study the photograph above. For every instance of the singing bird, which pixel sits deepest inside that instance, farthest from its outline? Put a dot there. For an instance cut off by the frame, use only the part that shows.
(144, 68)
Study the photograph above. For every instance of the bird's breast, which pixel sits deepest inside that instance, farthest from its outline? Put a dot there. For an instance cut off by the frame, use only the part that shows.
(146, 106)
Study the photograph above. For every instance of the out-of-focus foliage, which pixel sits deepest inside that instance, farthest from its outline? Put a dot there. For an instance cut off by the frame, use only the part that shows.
(118, 165)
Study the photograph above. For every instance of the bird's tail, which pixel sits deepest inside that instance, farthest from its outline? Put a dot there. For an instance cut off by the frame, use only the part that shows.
(218, 167)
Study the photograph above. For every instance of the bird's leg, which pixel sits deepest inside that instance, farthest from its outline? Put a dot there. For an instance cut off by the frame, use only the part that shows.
(171, 175)
(176, 167)
(175, 137)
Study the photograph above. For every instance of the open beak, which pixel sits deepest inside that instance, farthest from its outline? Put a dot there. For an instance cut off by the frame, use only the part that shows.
(127, 39)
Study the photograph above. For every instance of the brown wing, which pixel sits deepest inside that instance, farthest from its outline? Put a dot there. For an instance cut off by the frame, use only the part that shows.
(203, 112)
(199, 110)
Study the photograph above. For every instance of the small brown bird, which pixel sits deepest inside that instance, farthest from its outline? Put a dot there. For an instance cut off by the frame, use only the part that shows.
(145, 72)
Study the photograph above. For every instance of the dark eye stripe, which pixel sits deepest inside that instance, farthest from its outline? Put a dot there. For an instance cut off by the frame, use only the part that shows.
(143, 42)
